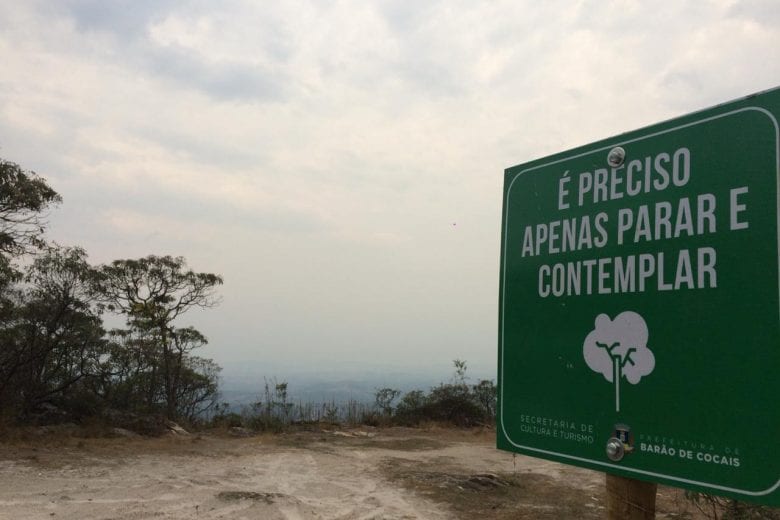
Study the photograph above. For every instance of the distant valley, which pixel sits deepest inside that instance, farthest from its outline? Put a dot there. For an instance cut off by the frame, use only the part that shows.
(242, 385)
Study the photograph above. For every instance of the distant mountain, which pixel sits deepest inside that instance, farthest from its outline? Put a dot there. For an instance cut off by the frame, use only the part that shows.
(240, 385)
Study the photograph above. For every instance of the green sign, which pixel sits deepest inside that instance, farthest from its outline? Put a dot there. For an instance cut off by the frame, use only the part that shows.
(639, 320)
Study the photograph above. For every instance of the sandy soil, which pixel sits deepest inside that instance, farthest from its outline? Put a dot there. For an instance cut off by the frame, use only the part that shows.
(326, 474)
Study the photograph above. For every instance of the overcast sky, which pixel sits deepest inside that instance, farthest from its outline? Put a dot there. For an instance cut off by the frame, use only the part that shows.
(340, 163)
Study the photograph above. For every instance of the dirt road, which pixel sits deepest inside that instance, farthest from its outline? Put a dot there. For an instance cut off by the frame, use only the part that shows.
(326, 474)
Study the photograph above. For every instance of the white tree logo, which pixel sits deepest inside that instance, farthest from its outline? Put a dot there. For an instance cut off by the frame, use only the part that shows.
(618, 348)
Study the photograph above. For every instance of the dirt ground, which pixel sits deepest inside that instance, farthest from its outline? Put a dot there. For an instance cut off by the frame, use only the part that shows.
(365, 473)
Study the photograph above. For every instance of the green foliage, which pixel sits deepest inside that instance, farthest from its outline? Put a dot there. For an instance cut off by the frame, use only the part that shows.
(331, 413)
(155, 290)
(460, 371)
(228, 420)
(273, 412)
(384, 398)
(152, 292)
(413, 400)
(452, 404)
(24, 197)
(52, 337)
(486, 395)
(56, 352)
(56, 361)
(455, 403)
(197, 388)
(132, 375)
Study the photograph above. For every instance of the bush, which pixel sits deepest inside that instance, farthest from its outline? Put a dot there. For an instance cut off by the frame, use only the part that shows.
(228, 420)
(455, 402)
(411, 409)
(266, 423)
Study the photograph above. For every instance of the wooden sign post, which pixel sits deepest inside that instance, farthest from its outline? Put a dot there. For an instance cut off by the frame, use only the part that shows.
(630, 499)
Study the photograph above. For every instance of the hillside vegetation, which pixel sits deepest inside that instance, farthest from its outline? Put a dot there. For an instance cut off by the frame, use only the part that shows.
(58, 362)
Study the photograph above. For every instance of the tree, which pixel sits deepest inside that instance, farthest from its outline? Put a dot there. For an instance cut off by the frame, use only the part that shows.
(486, 394)
(197, 387)
(460, 377)
(411, 408)
(23, 198)
(152, 292)
(455, 402)
(384, 398)
(130, 375)
(52, 337)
